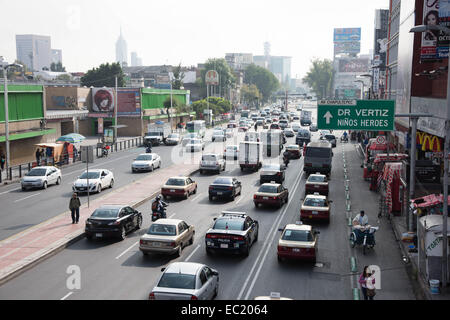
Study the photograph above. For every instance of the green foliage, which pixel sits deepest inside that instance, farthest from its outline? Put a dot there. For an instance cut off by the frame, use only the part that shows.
(226, 76)
(263, 79)
(104, 76)
(178, 75)
(216, 104)
(57, 67)
(320, 77)
(64, 77)
(250, 94)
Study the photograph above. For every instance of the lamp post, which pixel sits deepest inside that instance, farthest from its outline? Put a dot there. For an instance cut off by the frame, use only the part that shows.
(371, 81)
(362, 88)
(420, 29)
(5, 88)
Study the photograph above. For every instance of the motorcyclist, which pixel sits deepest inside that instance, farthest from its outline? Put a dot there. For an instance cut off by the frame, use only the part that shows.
(148, 148)
(286, 157)
(159, 207)
(345, 138)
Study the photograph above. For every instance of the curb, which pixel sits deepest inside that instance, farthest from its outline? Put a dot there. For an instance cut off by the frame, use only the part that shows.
(58, 248)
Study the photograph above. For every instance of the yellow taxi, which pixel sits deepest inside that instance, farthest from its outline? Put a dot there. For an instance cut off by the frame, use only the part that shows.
(317, 183)
(315, 207)
(271, 194)
(297, 241)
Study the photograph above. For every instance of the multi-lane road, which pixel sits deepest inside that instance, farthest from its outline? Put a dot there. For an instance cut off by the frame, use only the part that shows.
(117, 270)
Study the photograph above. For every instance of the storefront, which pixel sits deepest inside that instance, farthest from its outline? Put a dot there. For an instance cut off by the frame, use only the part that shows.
(430, 147)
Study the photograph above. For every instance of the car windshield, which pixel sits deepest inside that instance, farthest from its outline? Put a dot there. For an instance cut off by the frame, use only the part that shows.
(92, 175)
(177, 280)
(268, 189)
(232, 148)
(175, 182)
(173, 136)
(209, 157)
(144, 157)
(303, 134)
(218, 133)
(227, 181)
(194, 141)
(330, 137)
(162, 229)
(106, 213)
(314, 202)
(36, 173)
(316, 179)
(229, 224)
(271, 167)
(297, 235)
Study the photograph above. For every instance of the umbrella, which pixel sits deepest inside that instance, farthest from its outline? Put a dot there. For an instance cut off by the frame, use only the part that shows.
(71, 138)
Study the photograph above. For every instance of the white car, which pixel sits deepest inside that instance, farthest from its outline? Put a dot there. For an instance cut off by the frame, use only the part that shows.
(41, 177)
(296, 126)
(231, 152)
(218, 135)
(187, 138)
(195, 145)
(99, 179)
(229, 133)
(323, 133)
(146, 162)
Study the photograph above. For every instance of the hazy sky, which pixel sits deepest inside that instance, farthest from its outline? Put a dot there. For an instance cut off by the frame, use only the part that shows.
(174, 31)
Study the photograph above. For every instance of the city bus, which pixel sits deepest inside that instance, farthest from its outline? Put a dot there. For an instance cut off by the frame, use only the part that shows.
(197, 126)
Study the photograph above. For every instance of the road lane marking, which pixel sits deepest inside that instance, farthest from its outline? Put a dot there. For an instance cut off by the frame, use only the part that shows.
(27, 197)
(4, 192)
(266, 242)
(127, 250)
(170, 217)
(192, 253)
(193, 199)
(66, 296)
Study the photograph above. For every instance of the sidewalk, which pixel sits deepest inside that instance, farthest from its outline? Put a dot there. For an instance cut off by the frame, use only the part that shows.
(399, 227)
(89, 141)
(23, 250)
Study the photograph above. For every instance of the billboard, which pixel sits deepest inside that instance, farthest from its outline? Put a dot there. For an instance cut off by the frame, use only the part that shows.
(435, 43)
(103, 100)
(347, 34)
(356, 65)
(347, 47)
(129, 102)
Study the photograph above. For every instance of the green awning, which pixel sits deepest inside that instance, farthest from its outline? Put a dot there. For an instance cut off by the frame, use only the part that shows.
(29, 134)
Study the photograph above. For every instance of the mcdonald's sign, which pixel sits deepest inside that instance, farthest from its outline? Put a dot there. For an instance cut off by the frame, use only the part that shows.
(431, 143)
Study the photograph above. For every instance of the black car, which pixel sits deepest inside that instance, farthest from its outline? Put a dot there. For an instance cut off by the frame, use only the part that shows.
(112, 220)
(271, 172)
(225, 187)
(232, 232)
(331, 138)
(303, 136)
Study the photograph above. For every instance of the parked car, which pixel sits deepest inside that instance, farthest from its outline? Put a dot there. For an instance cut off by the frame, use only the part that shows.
(231, 152)
(225, 187)
(146, 162)
(298, 241)
(99, 179)
(272, 172)
(167, 236)
(315, 207)
(317, 183)
(41, 177)
(179, 187)
(173, 139)
(232, 232)
(212, 162)
(186, 281)
(195, 145)
(271, 194)
(112, 221)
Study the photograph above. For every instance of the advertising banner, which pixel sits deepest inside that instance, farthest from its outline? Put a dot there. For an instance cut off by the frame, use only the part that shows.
(444, 20)
(103, 100)
(376, 80)
(129, 102)
(354, 65)
(435, 43)
(347, 34)
(347, 47)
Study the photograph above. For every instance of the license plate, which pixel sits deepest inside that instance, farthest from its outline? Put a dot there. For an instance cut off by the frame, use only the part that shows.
(224, 246)
(315, 212)
(156, 244)
(172, 190)
(316, 186)
(266, 198)
(99, 235)
(219, 193)
(296, 250)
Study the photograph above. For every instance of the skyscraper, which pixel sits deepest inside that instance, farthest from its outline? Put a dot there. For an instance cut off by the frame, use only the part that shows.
(121, 50)
(34, 51)
(56, 55)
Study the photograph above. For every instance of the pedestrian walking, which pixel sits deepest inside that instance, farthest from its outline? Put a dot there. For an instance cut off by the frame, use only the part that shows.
(256, 127)
(38, 156)
(367, 282)
(2, 161)
(74, 206)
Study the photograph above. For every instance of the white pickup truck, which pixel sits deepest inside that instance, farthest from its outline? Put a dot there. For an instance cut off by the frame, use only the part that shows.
(157, 133)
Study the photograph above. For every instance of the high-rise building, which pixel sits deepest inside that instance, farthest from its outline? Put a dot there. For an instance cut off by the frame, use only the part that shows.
(135, 60)
(121, 50)
(34, 51)
(56, 56)
(281, 67)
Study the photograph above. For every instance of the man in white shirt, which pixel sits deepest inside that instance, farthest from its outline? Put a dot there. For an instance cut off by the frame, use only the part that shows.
(361, 219)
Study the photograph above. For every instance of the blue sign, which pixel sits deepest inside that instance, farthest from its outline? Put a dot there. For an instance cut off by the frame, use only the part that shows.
(347, 34)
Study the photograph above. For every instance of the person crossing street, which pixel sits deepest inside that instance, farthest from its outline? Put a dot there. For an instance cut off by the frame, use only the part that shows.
(74, 206)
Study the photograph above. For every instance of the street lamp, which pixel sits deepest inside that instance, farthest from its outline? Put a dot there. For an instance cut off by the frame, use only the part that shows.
(367, 75)
(420, 29)
(362, 89)
(5, 90)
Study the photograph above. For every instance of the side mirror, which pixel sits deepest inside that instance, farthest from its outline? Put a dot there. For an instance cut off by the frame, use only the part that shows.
(316, 232)
(280, 229)
(215, 273)
(162, 269)
(215, 219)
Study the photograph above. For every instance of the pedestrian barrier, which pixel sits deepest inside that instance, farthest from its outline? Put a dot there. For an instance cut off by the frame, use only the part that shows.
(434, 286)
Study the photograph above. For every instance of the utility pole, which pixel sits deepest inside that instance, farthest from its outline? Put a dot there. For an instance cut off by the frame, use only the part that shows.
(115, 113)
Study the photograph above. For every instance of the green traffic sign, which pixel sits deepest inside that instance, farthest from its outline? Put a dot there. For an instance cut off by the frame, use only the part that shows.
(368, 115)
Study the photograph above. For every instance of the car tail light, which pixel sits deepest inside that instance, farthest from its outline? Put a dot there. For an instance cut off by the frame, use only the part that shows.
(278, 173)
(230, 188)
(308, 164)
(171, 244)
(255, 197)
(281, 248)
(211, 236)
(238, 238)
(194, 297)
(141, 242)
(151, 296)
(325, 165)
(210, 187)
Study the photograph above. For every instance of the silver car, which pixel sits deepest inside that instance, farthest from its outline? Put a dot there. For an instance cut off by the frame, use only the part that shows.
(212, 162)
(41, 177)
(186, 281)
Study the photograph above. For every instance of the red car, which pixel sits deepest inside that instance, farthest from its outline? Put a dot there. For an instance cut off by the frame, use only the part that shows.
(317, 183)
(177, 187)
(315, 207)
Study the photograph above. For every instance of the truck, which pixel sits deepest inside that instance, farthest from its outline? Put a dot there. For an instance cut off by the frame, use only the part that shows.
(272, 142)
(305, 118)
(250, 156)
(157, 133)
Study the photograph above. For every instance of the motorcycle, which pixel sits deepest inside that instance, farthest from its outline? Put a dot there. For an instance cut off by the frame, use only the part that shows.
(158, 214)
(344, 138)
(286, 160)
(148, 150)
(363, 235)
(105, 151)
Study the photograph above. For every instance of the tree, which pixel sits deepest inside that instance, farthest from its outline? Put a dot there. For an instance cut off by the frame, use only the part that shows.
(226, 76)
(104, 76)
(64, 77)
(263, 79)
(216, 104)
(178, 77)
(57, 67)
(182, 108)
(250, 94)
(168, 104)
(320, 77)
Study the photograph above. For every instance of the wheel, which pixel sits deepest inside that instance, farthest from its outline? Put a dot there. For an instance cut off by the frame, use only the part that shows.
(223, 168)
(58, 181)
(44, 186)
(210, 198)
(159, 165)
(23, 188)
(209, 252)
(112, 183)
(99, 188)
(192, 240)
(151, 169)
(256, 237)
(165, 197)
(256, 205)
(187, 195)
(195, 190)
(216, 291)
(280, 259)
(180, 250)
(233, 196)
(88, 236)
(242, 169)
(139, 224)
(122, 234)
(352, 240)
(247, 250)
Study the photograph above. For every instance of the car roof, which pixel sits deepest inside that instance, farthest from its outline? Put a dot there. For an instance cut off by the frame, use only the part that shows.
(112, 206)
(184, 268)
(180, 177)
(316, 175)
(96, 170)
(44, 167)
(304, 227)
(146, 154)
(271, 184)
(315, 196)
(168, 221)
(210, 154)
(293, 146)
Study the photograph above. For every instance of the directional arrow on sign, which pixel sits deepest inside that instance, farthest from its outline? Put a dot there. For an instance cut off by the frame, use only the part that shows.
(328, 116)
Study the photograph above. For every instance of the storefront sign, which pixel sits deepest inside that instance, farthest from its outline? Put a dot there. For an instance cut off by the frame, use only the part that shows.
(435, 43)
(103, 100)
(129, 102)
